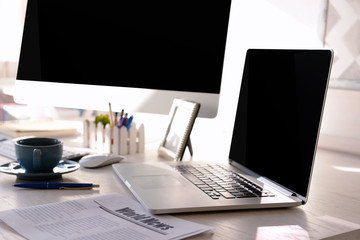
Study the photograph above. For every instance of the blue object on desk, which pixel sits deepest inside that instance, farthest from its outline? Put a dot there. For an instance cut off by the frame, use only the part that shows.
(128, 122)
(56, 185)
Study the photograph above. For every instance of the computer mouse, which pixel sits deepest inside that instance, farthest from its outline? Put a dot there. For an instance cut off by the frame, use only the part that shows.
(99, 160)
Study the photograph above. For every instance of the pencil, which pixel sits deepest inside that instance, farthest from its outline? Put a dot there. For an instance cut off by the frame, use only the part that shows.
(111, 117)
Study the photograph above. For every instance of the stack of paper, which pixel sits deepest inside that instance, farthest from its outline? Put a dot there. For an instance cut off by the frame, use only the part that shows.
(107, 217)
(36, 128)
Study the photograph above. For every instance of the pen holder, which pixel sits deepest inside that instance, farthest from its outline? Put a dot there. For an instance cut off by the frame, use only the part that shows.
(117, 140)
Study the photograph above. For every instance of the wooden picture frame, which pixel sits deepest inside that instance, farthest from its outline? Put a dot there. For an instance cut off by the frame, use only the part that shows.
(177, 137)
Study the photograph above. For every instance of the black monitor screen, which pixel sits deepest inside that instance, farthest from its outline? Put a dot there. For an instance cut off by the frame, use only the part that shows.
(279, 112)
(171, 45)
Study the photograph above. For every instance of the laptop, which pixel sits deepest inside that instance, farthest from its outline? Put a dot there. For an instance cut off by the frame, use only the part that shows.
(272, 149)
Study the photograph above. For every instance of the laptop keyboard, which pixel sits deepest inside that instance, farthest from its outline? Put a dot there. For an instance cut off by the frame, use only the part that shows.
(218, 182)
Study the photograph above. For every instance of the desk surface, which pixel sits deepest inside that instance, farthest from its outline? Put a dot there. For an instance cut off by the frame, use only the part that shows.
(335, 192)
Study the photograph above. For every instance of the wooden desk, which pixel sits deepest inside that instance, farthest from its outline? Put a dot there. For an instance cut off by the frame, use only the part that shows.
(335, 192)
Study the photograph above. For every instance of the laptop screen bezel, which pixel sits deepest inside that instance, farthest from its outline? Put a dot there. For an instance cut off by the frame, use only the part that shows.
(267, 180)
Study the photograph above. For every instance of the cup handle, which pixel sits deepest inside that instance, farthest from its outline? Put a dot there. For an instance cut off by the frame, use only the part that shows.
(37, 159)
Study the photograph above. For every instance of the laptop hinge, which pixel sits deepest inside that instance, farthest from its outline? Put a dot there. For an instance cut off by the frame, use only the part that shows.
(277, 187)
(265, 180)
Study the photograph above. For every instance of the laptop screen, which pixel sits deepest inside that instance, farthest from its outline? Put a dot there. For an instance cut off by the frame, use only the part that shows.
(279, 113)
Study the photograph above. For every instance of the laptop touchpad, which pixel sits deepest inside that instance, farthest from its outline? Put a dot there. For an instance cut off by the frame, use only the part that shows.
(156, 181)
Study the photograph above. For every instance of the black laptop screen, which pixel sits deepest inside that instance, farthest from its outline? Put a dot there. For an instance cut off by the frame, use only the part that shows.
(279, 111)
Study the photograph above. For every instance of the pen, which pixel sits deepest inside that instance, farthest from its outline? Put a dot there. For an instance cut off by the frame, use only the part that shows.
(128, 122)
(121, 120)
(125, 119)
(115, 120)
(57, 185)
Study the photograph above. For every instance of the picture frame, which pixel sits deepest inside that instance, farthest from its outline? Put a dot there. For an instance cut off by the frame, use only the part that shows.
(182, 116)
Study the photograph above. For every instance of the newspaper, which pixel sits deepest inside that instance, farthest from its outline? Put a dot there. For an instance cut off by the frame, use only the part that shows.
(107, 217)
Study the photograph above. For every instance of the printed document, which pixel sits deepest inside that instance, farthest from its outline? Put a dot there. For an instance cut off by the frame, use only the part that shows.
(107, 217)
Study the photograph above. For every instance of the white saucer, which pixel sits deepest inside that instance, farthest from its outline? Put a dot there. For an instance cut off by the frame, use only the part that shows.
(64, 166)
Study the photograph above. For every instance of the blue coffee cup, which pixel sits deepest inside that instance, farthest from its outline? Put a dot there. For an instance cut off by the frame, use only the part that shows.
(38, 155)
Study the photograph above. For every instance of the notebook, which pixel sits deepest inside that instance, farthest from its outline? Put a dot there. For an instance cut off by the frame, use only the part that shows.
(272, 149)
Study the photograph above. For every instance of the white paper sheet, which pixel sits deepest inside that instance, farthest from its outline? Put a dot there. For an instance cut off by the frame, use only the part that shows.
(107, 217)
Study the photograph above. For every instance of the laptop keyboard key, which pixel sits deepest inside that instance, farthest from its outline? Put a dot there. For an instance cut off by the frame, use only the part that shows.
(192, 178)
(227, 195)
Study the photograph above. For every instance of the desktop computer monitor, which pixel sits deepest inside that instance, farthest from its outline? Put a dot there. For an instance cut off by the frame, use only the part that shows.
(138, 55)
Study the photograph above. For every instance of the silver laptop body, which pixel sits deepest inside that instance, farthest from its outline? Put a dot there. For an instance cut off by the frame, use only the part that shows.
(273, 143)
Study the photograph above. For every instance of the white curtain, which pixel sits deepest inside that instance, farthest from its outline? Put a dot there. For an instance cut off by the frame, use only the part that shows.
(343, 35)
